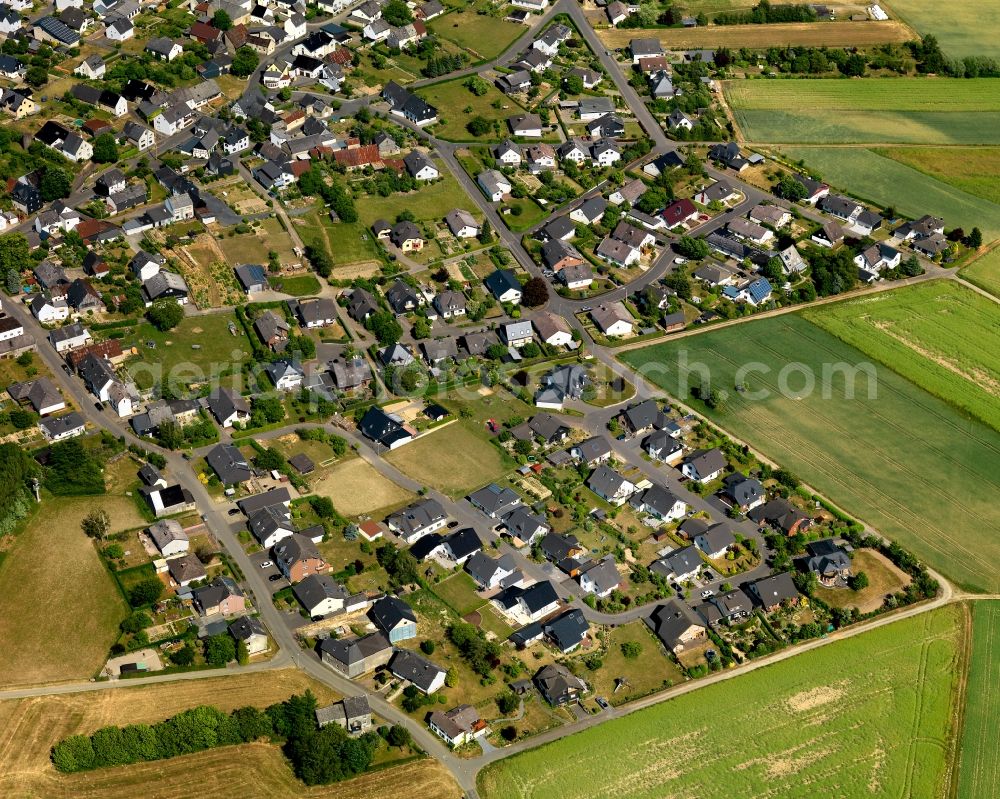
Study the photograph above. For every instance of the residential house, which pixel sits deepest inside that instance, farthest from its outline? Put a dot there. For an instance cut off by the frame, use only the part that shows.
(552, 329)
(462, 224)
(566, 382)
(715, 541)
(504, 286)
(221, 597)
(602, 578)
(382, 428)
(320, 595)
(494, 184)
(417, 520)
(558, 685)
(494, 501)
(169, 537)
(457, 726)
(186, 569)
(775, 591)
(417, 670)
(420, 166)
(704, 465)
(229, 464)
(745, 493)
(354, 657)
(782, 515)
(828, 561)
(297, 557)
(490, 573)
(610, 485)
(613, 319)
(677, 626)
(660, 505)
(680, 565)
(249, 631)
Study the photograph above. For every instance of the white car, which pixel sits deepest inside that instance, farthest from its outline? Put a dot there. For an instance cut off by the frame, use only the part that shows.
(680, 261)
(707, 593)
(266, 564)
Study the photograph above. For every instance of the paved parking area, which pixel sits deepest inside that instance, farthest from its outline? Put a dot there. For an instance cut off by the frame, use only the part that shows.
(269, 571)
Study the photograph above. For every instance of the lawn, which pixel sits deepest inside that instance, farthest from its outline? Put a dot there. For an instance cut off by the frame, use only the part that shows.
(459, 105)
(805, 34)
(219, 352)
(971, 169)
(979, 762)
(867, 110)
(985, 272)
(252, 248)
(429, 203)
(867, 716)
(941, 335)
(876, 444)
(455, 459)
(254, 771)
(356, 488)
(888, 182)
(649, 672)
(482, 35)
(59, 606)
(297, 285)
(459, 593)
(530, 214)
(969, 28)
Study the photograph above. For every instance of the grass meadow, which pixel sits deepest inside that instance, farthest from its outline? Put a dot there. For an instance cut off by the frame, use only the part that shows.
(887, 182)
(985, 272)
(869, 716)
(979, 764)
(867, 110)
(459, 105)
(428, 203)
(971, 169)
(969, 28)
(455, 459)
(941, 335)
(481, 34)
(906, 462)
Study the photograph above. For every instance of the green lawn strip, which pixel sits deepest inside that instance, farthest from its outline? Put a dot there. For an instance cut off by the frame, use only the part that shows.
(458, 105)
(867, 452)
(297, 285)
(484, 35)
(889, 183)
(970, 28)
(459, 593)
(870, 715)
(971, 169)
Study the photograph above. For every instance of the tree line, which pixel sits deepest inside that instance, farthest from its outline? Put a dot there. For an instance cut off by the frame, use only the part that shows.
(317, 756)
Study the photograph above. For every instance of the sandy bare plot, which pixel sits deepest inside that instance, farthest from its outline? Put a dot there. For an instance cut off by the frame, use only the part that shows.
(812, 34)
(356, 488)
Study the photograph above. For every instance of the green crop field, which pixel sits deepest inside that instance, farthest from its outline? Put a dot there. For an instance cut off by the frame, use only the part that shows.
(867, 110)
(972, 169)
(869, 716)
(887, 182)
(904, 461)
(979, 763)
(941, 335)
(969, 27)
(985, 272)
(458, 106)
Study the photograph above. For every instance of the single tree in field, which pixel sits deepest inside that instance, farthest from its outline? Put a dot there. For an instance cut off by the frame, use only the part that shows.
(96, 524)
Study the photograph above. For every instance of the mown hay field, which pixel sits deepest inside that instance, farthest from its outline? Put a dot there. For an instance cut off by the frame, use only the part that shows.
(979, 764)
(59, 605)
(867, 110)
(941, 335)
(887, 182)
(968, 28)
(356, 488)
(985, 272)
(972, 169)
(869, 716)
(784, 34)
(31, 726)
(878, 445)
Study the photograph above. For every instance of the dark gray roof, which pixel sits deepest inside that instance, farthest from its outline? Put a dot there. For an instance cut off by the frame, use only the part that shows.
(317, 587)
(390, 612)
(671, 620)
(418, 670)
(567, 630)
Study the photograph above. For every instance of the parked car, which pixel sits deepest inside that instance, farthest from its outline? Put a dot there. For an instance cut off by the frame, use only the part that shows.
(233, 511)
(274, 578)
(603, 702)
(266, 564)
(99, 405)
(707, 593)
(452, 525)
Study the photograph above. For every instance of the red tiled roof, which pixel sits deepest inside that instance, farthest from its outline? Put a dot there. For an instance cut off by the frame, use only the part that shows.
(342, 56)
(204, 32)
(299, 168)
(89, 228)
(96, 126)
(358, 156)
(109, 349)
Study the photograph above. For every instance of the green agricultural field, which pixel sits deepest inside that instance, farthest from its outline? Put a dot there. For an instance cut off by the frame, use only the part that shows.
(979, 762)
(458, 106)
(428, 203)
(907, 463)
(867, 111)
(985, 272)
(972, 169)
(869, 716)
(887, 182)
(482, 35)
(219, 352)
(941, 335)
(969, 28)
